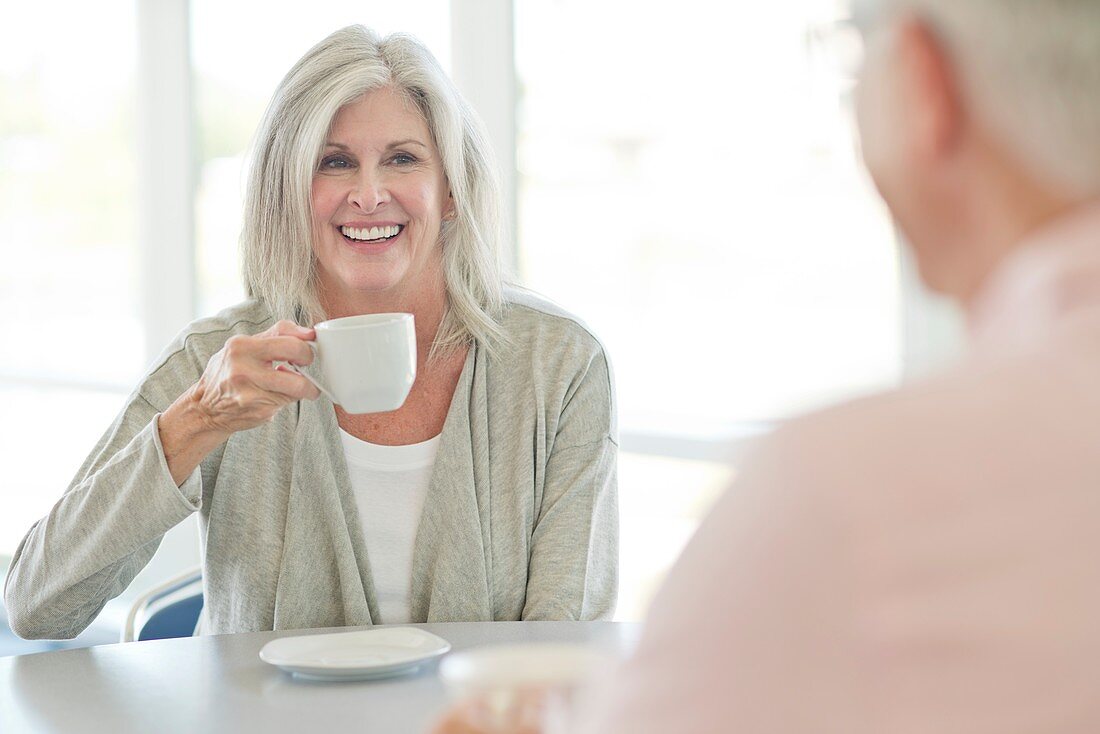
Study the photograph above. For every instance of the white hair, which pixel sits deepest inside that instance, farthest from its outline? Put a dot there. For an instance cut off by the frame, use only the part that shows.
(1032, 69)
(277, 256)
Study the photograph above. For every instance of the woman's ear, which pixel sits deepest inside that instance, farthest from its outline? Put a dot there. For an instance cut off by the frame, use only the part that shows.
(449, 211)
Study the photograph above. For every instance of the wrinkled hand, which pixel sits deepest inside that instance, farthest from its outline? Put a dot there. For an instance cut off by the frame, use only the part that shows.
(242, 388)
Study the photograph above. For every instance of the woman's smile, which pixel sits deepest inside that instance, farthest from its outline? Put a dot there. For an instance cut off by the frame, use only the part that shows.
(371, 239)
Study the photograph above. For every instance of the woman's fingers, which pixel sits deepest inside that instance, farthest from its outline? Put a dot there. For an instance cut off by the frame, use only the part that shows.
(288, 328)
(243, 385)
(281, 349)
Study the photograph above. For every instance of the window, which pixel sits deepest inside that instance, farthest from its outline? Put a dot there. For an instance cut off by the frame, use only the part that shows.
(69, 303)
(686, 188)
(688, 184)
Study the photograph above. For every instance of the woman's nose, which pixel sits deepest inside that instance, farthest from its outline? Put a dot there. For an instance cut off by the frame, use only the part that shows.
(367, 193)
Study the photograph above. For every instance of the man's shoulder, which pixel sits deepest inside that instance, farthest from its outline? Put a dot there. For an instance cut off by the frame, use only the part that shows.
(891, 421)
(945, 430)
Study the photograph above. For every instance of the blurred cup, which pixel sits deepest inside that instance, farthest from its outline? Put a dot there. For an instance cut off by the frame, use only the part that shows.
(521, 688)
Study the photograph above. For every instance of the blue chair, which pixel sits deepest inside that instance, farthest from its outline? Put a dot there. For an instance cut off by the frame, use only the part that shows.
(171, 609)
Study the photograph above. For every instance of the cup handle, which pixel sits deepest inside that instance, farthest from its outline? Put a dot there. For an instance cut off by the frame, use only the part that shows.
(316, 383)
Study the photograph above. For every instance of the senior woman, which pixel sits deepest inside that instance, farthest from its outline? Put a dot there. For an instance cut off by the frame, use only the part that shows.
(489, 495)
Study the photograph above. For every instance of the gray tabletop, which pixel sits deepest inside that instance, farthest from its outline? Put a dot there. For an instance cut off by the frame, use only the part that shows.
(219, 684)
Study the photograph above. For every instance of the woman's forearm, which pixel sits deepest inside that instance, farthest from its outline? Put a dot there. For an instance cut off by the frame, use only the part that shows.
(100, 534)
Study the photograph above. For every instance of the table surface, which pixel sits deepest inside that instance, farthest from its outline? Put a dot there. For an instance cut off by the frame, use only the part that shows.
(219, 684)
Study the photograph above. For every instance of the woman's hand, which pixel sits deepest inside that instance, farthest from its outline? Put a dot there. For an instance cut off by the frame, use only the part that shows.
(240, 388)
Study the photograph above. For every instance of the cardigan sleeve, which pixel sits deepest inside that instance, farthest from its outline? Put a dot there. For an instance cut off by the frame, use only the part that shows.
(102, 531)
(574, 553)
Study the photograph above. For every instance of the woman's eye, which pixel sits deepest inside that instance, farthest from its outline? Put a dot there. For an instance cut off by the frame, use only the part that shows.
(403, 159)
(335, 162)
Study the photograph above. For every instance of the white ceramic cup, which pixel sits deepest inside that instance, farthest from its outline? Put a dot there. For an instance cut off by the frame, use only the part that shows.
(367, 363)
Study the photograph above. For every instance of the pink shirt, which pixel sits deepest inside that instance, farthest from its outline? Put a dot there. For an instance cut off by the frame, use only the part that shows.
(923, 561)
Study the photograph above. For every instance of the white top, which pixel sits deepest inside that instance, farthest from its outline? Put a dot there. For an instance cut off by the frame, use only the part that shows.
(390, 483)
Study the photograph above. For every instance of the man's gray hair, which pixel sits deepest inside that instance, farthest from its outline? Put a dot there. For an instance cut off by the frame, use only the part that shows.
(276, 239)
(1032, 68)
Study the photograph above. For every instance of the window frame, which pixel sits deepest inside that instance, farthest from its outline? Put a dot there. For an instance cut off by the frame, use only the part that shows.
(483, 64)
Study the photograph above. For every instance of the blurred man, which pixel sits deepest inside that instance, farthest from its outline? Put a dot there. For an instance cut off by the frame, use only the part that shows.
(927, 560)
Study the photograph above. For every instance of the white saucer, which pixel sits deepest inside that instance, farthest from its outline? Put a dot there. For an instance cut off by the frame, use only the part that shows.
(359, 655)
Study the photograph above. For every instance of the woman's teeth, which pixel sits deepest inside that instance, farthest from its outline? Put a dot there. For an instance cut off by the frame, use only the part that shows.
(370, 234)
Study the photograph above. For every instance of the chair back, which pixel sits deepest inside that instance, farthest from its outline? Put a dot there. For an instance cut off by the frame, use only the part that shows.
(170, 609)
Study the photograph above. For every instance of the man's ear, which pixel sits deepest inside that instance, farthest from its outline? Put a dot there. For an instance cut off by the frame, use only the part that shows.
(934, 114)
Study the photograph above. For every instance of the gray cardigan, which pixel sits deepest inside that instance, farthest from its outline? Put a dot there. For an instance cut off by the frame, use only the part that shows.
(520, 521)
